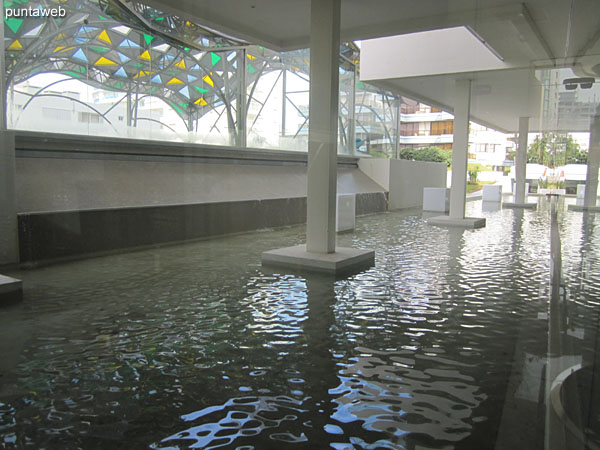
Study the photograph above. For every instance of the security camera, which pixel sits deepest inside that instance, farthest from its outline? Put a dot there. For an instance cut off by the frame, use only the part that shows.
(572, 83)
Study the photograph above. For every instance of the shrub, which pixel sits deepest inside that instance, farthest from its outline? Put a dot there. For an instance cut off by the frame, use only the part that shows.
(433, 154)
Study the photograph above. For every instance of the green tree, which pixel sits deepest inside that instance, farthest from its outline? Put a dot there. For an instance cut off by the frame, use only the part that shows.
(553, 150)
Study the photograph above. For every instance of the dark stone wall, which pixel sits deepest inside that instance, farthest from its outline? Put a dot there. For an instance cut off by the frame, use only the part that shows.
(72, 234)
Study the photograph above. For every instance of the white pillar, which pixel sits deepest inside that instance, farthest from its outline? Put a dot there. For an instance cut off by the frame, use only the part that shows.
(591, 182)
(323, 123)
(521, 161)
(9, 248)
(460, 147)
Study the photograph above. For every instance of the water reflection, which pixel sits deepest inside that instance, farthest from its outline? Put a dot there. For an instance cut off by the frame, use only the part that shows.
(140, 349)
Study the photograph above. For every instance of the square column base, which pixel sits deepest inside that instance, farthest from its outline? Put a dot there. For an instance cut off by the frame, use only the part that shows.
(344, 260)
(593, 209)
(11, 290)
(465, 222)
(519, 205)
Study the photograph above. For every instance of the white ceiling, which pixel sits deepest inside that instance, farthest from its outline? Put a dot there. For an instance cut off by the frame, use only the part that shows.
(534, 33)
(285, 24)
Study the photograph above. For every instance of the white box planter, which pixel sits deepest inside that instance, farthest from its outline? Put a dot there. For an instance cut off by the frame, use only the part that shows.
(581, 191)
(345, 212)
(552, 191)
(436, 199)
(492, 193)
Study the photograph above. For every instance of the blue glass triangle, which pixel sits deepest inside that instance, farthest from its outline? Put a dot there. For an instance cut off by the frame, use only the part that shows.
(157, 79)
(81, 40)
(80, 55)
(196, 67)
(121, 73)
(185, 92)
(128, 44)
(192, 78)
(123, 58)
(87, 30)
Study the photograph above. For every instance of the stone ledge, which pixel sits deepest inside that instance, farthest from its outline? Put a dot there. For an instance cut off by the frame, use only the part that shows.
(593, 209)
(11, 290)
(466, 222)
(519, 205)
(344, 260)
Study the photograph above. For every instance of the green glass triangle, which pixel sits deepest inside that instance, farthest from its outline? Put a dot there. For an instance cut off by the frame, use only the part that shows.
(102, 17)
(80, 70)
(119, 85)
(99, 49)
(148, 39)
(13, 24)
(360, 85)
(214, 58)
(250, 69)
(201, 90)
(177, 108)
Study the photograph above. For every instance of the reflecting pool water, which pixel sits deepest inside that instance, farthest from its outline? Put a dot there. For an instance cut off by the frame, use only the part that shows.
(441, 345)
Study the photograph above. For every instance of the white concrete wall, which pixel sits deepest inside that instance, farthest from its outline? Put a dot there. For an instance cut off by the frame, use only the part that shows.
(404, 180)
(65, 184)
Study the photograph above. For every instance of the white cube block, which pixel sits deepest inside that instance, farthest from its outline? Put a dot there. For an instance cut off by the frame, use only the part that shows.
(436, 199)
(492, 193)
(581, 191)
(345, 212)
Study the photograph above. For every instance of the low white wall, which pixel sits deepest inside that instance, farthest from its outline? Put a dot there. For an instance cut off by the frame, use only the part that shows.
(403, 179)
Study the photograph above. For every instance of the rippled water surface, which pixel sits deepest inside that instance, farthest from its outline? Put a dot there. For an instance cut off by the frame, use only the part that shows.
(198, 346)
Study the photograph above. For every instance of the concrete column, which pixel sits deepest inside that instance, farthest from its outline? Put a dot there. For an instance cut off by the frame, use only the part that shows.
(460, 147)
(9, 247)
(323, 123)
(521, 160)
(241, 138)
(591, 182)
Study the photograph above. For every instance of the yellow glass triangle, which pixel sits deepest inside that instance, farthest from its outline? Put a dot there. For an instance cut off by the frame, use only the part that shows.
(175, 81)
(250, 57)
(145, 55)
(181, 64)
(61, 36)
(58, 49)
(143, 73)
(15, 46)
(201, 102)
(208, 80)
(104, 37)
(102, 61)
